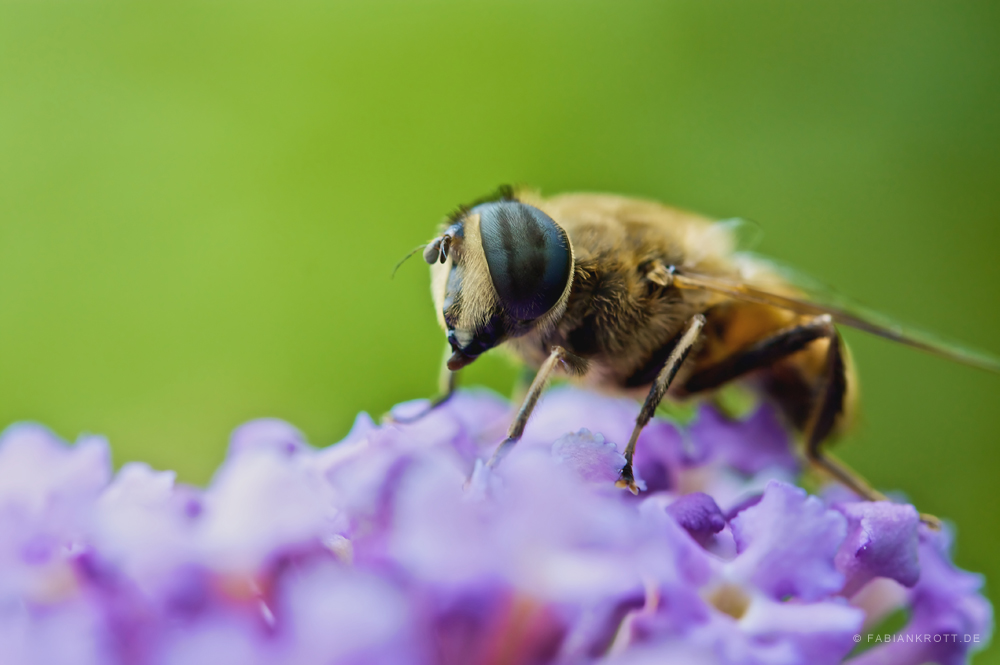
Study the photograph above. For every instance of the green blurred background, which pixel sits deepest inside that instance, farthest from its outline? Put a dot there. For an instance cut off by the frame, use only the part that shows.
(201, 202)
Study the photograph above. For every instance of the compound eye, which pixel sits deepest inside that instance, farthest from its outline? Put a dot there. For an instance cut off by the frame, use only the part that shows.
(528, 256)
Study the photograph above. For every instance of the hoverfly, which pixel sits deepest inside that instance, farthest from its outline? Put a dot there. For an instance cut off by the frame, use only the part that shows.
(627, 294)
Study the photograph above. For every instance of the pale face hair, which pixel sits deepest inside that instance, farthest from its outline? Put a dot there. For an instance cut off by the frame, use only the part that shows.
(478, 297)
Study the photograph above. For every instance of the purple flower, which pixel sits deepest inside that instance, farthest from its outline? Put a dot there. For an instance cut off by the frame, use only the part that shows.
(881, 542)
(398, 545)
(787, 543)
(948, 617)
(698, 514)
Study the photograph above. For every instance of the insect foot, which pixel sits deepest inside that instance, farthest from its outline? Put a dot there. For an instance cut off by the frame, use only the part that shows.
(627, 479)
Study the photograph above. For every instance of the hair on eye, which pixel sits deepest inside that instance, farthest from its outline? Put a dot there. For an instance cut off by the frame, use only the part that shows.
(501, 193)
(438, 249)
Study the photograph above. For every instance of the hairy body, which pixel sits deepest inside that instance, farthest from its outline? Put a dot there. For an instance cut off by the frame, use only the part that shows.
(629, 295)
(622, 315)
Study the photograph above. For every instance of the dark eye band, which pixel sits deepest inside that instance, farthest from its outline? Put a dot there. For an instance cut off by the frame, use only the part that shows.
(528, 256)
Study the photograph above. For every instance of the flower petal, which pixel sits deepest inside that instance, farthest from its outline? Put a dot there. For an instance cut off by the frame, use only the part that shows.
(266, 434)
(881, 542)
(591, 457)
(949, 618)
(750, 445)
(787, 543)
(698, 514)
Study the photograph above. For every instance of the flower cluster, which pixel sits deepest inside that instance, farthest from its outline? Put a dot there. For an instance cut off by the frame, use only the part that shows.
(398, 546)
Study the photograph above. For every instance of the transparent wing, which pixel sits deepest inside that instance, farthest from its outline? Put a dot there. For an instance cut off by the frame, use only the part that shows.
(813, 298)
(746, 233)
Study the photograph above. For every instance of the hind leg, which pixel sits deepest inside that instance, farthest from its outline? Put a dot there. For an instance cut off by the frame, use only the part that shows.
(825, 410)
(826, 405)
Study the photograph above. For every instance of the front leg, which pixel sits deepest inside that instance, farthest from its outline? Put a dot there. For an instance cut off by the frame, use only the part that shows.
(680, 352)
(556, 356)
(447, 382)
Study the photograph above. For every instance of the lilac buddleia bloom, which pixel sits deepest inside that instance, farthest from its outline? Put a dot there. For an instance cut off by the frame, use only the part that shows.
(400, 545)
(47, 495)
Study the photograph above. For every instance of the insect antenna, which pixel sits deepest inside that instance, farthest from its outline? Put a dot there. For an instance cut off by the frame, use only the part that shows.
(404, 259)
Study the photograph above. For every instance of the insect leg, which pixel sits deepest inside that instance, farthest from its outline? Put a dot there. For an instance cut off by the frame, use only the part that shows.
(522, 385)
(829, 402)
(446, 388)
(659, 388)
(830, 394)
(557, 355)
(821, 422)
(760, 354)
